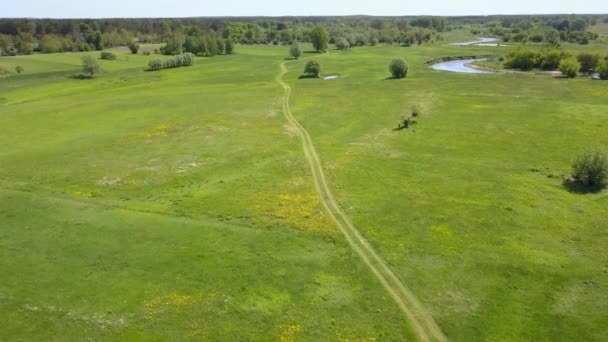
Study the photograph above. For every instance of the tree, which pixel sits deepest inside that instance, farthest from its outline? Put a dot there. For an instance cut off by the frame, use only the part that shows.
(602, 69)
(133, 46)
(398, 68)
(229, 47)
(108, 55)
(312, 69)
(319, 38)
(569, 67)
(295, 51)
(89, 65)
(591, 168)
(588, 61)
(342, 44)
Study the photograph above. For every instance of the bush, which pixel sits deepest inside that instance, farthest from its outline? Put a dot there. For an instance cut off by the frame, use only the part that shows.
(549, 59)
(155, 64)
(229, 46)
(312, 69)
(416, 110)
(133, 46)
(602, 69)
(108, 55)
(569, 67)
(588, 61)
(591, 169)
(89, 65)
(398, 68)
(522, 58)
(19, 69)
(295, 51)
(186, 59)
(342, 44)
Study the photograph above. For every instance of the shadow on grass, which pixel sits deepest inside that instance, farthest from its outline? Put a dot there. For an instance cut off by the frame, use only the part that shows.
(303, 77)
(394, 78)
(312, 51)
(578, 188)
(290, 59)
(80, 77)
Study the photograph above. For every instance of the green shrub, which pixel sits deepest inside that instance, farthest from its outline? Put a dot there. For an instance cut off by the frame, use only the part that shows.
(342, 44)
(549, 59)
(89, 65)
(295, 51)
(312, 69)
(133, 47)
(522, 58)
(398, 68)
(155, 64)
(19, 69)
(588, 61)
(602, 70)
(591, 169)
(569, 67)
(108, 55)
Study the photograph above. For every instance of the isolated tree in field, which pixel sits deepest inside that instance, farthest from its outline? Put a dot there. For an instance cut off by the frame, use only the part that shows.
(398, 68)
(133, 46)
(319, 39)
(89, 65)
(295, 51)
(569, 67)
(588, 61)
(602, 69)
(342, 44)
(312, 69)
(229, 46)
(591, 168)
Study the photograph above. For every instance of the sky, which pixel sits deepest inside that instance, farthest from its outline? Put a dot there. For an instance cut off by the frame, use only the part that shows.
(204, 8)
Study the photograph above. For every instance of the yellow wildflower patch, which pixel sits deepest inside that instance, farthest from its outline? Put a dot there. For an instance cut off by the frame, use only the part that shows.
(86, 194)
(288, 332)
(303, 211)
(161, 130)
(157, 306)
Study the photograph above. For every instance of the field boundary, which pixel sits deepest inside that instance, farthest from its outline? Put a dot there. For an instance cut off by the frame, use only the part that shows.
(417, 315)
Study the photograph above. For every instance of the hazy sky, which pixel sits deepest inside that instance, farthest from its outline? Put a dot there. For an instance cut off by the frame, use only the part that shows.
(194, 8)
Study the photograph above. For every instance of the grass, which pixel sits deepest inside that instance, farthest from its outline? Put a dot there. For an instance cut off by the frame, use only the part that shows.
(178, 204)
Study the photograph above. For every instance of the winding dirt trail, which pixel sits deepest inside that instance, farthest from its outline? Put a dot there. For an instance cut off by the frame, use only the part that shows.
(417, 315)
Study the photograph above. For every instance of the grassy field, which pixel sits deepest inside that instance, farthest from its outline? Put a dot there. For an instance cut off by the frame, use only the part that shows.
(178, 204)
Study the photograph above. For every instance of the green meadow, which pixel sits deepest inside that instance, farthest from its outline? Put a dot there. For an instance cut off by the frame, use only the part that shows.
(179, 205)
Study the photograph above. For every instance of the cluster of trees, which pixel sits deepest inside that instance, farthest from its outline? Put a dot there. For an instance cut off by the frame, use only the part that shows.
(551, 30)
(202, 36)
(195, 41)
(186, 59)
(526, 58)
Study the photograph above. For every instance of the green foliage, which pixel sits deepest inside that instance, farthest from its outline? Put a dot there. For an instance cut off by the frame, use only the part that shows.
(183, 60)
(133, 47)
(602, 70)
(50, 44)
(155, 64)
(398, 68)
(588, 61)
(229, 46)
(549, 59)
(107, 55)
(312, 69)
(319, 39)
(342, 44)
(591, 168)
(295, 50)
(90, 65)
(174, 45)
(18, 69)
(569, 67)
(522, 57)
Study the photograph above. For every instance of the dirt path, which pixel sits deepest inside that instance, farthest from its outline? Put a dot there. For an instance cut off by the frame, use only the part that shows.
(417, 315)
